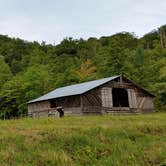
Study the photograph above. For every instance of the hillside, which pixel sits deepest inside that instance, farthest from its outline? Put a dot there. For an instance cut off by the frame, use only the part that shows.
(88, 140)
(30, 69)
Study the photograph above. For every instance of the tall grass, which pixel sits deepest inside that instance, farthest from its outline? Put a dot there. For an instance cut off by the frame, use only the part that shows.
(87, 140)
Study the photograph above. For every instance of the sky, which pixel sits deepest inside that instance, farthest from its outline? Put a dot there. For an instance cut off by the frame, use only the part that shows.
(53, 20)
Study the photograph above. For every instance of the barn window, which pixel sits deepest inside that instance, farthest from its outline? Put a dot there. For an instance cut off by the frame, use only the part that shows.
(52, 104)
(120, 97)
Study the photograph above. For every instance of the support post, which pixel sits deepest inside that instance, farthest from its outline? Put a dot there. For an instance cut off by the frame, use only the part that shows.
(81, 103)
(121, 80)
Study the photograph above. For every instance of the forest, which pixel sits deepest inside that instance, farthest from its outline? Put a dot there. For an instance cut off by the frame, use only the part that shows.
(30, 69)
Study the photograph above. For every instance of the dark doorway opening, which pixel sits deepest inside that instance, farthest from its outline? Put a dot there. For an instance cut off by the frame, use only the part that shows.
(61, 112)
(52, 104)
(120, 97)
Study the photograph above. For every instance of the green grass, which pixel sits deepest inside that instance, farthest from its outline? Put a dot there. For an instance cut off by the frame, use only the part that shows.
(87, 140)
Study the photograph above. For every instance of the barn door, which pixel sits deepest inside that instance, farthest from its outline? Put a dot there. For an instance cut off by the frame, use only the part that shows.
(106, 95)
(132, 98)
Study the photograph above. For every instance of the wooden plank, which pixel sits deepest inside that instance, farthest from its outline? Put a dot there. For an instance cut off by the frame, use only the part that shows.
(92, 98)
(132, 98)
(38, 106)
(106, 95)
(142, 102)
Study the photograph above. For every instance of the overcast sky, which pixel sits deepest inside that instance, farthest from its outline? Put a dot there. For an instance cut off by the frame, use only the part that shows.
(53, 20)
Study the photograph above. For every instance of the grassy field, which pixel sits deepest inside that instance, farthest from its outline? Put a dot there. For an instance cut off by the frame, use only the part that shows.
(88, 140)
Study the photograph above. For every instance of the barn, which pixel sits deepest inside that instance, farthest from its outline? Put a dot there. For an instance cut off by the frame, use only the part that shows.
(115, 94)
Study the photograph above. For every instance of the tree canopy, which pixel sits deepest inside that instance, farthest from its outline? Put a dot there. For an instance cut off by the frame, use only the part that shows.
(30, 69)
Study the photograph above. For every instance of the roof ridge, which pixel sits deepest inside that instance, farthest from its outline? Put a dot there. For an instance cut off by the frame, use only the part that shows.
(86, 82)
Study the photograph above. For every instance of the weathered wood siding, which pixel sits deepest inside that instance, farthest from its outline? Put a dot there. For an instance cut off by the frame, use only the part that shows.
(71, 104)
(72, 110)
(92, 98)
(89, 110)
(106, 97)
(139, 101)
(145, 102)
(35, 108)
(92, 102)
(132, 98)
(68, 102)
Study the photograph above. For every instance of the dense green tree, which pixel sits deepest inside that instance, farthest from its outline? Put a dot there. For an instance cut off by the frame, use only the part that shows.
(5, 73)
(67, 46)
(30, 69)
(22, 88)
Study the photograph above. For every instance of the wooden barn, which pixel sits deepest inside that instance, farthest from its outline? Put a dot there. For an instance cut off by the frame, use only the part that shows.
(115, 94)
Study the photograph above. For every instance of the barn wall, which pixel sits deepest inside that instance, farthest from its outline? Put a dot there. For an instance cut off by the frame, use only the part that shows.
(145, 102)
(71, 104)
(92, 98)
(139, 101)
(38, 107)
(106, 97)
(72, 110)
(91, 102)
(132, 98)
(89, 110)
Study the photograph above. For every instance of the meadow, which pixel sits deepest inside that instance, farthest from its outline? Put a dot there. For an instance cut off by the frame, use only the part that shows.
(85, 140)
